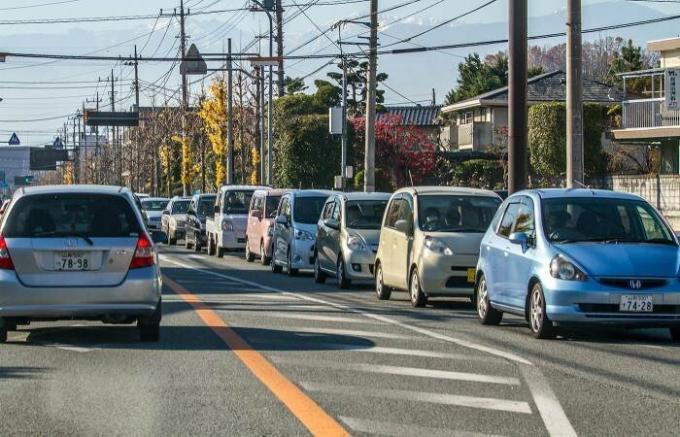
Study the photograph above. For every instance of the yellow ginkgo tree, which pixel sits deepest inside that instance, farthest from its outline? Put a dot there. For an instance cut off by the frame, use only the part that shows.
(213, 114)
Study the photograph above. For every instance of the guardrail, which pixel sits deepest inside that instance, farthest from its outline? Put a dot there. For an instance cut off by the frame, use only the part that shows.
(648, 113)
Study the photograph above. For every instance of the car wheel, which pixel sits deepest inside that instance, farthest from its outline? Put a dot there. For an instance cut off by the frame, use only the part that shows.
(675, 334)
(197, 244)
(3, 333)
(418, 298)
(219, 251)
(539, 323)
(275, 267)
(289, 266)
(486, 314)
(250, 256)
(319, 276)
(211, 246)
(383, 291)
(172, 239)
(264, 260)
(341, 274)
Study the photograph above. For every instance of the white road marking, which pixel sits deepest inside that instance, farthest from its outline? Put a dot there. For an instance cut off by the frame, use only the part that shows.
(195, 257)
(404, 430)
(432, 398)
(555, 419)
(400, 351)
(68, 347)
(401, 370)
(296, 316)
(351, 332)
(545, 400)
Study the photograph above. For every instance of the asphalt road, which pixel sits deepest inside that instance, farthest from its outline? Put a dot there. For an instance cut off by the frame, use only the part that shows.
(247, 352)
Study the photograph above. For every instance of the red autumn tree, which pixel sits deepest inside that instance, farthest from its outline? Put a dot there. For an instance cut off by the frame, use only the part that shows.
(404, 154)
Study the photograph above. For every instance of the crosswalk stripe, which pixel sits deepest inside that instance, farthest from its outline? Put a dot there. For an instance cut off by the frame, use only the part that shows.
(311, 317)
(401, 370)
(352, 332)
(433, 398)
(404, 430)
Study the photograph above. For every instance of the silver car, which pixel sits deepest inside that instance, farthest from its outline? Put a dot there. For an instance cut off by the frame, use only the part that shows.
(153, 208)
(348, 236)
(78, 252)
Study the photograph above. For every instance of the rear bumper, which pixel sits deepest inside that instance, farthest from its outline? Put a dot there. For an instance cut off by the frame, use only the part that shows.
(138, 295)
(232, 240)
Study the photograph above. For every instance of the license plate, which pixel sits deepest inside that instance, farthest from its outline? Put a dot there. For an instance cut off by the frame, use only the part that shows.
(471, 274)
(636, 304)
(71, 261)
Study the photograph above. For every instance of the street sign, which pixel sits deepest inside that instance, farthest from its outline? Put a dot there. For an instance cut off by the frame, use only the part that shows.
(58, 144)
(193, 63)
(264, 61)
(672, 89)
(43, 159)
(335, 120)
(14, 140)
(99, 118)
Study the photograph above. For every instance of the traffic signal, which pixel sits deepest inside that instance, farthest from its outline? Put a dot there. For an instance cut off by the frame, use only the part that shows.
(23, 180)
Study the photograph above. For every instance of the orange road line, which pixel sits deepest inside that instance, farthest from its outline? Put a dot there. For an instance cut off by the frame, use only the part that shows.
(312, 416)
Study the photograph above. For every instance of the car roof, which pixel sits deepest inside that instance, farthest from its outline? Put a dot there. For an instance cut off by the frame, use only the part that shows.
(272, 191)
(76, 189)
(311, 193)
(224, 188)
(360, 195)
(553, 193)
(448, 190)
(154, 199)
(181, 198)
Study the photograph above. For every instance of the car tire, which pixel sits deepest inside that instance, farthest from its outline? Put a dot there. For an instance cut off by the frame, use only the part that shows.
(289, 269)
(675, 334)
(197, 245)
(219, 251)
(418, 298)
(381, 290)
(540, 324)
(172, 239)
(250, 256)
(341, 275)
(211, 246)
(275, 267)
(319, 275)
(187, 244)
(264, 259)
(486, 314)
(3, 333)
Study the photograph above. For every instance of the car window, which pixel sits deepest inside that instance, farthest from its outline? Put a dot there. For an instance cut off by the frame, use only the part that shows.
(327, 210)
(237, 202)
(524, 221)
(456, 213)
(180, 207)
(336, 211)
(405, 211)
(570, 220)
(307, 210)
(393, 213)
(364, 214)
(154, 205)
(271, 205)
(206, 205)
(511, 212)
(284, 208)
(58, 215)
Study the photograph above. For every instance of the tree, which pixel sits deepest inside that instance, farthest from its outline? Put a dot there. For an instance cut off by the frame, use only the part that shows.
(357, 73)
(295, 85)
(630, 58)
(213, 114)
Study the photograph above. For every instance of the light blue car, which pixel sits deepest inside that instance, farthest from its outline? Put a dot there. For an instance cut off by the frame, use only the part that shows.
(579, 256)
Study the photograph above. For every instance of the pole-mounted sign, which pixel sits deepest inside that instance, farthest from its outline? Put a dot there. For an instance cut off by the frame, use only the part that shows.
(193, 63)
(14, 140)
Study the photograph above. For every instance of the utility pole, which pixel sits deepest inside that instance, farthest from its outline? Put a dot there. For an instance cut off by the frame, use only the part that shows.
(96, 168)
(369, 160)
(343, 149)
(185, 91)
(118, 153)
(137, 135)
(259, 131)
(75, 150)
(575, 156)
(279, 48)
(517, 96)
(230, 117)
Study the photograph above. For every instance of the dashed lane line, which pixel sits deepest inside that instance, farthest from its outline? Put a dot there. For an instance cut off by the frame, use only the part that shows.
(350, 332)
(403, 430)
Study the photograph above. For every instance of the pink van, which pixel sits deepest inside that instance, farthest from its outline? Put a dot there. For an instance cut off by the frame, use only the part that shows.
(259, 231)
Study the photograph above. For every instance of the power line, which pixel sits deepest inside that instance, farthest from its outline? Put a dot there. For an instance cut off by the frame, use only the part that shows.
(14, 8)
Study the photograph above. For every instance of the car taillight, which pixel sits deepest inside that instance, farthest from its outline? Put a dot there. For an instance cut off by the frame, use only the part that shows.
(5, 260)
(143, 253)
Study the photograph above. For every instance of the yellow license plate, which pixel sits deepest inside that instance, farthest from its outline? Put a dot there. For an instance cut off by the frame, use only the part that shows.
(471, 273)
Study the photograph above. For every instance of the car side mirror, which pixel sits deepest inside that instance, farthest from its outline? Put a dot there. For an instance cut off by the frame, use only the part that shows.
(282, 220)
(159, 237)
(332, 223)
(520, 238)
(404, 226)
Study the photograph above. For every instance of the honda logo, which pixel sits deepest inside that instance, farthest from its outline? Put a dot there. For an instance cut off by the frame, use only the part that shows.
(71, 243)
(635, 284)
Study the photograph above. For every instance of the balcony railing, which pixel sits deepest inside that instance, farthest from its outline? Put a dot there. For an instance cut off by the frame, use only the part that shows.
(648, 113)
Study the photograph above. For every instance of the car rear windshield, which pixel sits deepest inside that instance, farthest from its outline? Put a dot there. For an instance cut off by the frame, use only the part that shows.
(237, 202)
(206, 205)
(573, 220)
(272, 205)
(454, 213)
(308, 209)
(63, 215)
(154, 205)
(364, 214)
(180, 207)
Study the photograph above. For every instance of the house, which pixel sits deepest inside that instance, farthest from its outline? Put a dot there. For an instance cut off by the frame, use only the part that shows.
(480, 123)
(653, 119)
(425, 118)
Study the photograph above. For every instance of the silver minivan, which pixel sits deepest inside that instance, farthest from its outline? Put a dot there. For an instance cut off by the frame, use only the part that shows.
(78, 252)
(348, 236)
(295, 230)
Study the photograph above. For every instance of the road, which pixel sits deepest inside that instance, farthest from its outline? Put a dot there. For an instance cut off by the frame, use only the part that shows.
(247, 352)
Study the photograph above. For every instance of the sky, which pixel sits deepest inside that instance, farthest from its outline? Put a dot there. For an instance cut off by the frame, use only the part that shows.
(39, 95)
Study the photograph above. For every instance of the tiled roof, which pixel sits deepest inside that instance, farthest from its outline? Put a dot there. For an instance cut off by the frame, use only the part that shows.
(414, 115)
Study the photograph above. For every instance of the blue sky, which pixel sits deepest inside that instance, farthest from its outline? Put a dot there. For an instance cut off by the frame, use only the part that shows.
(34, 100)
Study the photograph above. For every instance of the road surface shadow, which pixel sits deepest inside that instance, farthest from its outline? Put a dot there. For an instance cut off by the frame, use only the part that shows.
(21, 372)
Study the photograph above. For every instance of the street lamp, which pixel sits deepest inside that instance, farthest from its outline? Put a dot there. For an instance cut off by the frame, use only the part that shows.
(270, 116)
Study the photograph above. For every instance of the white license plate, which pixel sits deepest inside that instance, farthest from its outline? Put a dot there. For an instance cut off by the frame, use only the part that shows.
(636, 304)
(72, 261)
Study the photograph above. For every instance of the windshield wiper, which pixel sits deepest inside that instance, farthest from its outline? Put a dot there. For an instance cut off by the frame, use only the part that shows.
(659, 241)
(87, 239)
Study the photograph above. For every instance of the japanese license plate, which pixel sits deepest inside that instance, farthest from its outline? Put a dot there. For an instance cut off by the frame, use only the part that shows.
(71, 261)
(471, 273)
(636, 303)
